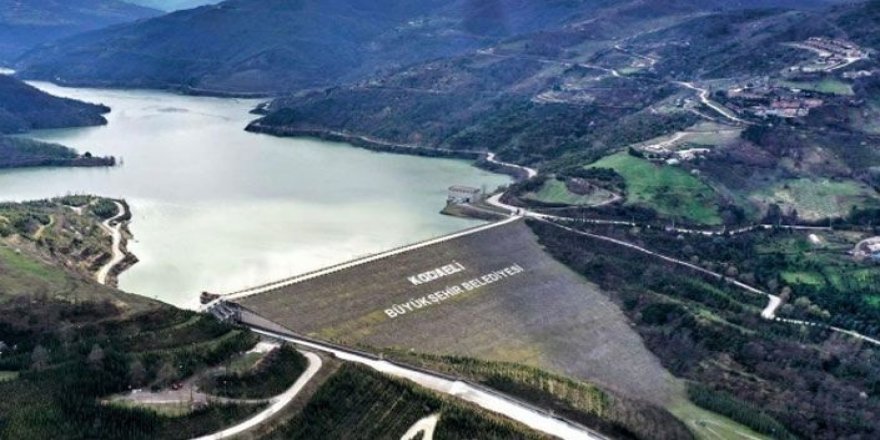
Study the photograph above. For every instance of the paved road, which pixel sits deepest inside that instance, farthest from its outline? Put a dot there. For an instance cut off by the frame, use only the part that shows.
(425, 426)
(115, 232)
(704, 97)
(768, 313)
(530, 172)
(276, 403)
(491, 401)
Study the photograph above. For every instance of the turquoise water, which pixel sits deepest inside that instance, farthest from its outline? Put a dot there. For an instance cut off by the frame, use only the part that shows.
(216, 208)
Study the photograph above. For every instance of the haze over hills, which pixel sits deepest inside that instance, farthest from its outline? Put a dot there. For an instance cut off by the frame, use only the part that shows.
(274, 46)
(172, 5)
(28, 23)
(279, 45)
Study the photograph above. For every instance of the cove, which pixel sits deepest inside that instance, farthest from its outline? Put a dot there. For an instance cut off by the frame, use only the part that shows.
(216, 208)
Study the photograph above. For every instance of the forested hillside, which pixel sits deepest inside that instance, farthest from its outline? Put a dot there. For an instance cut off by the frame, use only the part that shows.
(270, 46)
(24, 108)
(25, 24)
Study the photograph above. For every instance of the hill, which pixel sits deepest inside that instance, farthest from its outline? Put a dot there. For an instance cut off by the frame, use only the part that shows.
(270, 46)
(25, 24)
(24, 108)
(172, 5)
(17, 153)
(566, 97)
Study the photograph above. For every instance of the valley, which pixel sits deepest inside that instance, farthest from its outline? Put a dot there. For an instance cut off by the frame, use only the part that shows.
(661, 220)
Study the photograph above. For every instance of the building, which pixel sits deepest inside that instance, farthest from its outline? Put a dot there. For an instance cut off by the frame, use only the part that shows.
(463, 194)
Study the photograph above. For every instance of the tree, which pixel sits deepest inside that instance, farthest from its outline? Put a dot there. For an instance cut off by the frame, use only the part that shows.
(96, 357)
(39, 358)
(167, 373)
(137, 374)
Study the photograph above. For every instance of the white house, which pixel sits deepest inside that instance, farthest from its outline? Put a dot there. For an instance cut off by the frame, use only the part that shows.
(463, 194)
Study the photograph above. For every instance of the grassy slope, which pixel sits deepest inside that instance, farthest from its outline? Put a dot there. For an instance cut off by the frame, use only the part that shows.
(669, 190)
(47, 249)
(555, 191)
(357, 403)
(829, 86)
(816, 199)
(580, 401)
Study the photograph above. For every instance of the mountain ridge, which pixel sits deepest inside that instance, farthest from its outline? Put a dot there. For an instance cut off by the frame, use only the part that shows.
(25, 24)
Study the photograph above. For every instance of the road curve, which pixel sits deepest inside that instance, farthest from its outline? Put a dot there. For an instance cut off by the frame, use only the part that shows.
(769, 312)
(720, 109)
(276, 403)
(530, 172)
(425, 426)
(491, 401)
(115, 232)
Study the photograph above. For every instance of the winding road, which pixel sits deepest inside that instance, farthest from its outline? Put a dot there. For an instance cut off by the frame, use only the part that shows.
(774, 302)
(115, 231)
(498, 403)
(769, 312)
(704, 98)
(530, 172)
(276, 403)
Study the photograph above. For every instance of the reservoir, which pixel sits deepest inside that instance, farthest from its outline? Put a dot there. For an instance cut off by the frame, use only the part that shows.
(218, 209)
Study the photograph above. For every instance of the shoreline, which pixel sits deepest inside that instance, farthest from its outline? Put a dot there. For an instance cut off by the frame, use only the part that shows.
(483, 160)
(170, 88)
(121, 258)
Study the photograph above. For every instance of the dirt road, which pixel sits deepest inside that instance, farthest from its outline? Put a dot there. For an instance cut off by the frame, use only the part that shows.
(115, 231)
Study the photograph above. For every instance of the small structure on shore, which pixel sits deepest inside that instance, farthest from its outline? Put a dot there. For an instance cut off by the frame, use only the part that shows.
(207, 297)
(463, 194)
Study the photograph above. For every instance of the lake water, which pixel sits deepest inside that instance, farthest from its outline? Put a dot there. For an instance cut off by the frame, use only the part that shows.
(216, 208)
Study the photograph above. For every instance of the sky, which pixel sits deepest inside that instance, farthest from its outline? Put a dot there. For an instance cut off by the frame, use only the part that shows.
(172, 5)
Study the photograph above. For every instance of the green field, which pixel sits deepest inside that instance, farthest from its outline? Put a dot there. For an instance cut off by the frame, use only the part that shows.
(829, 86)
(811, 278)
(669, 190)
(578, 401)
(707, 425)
(816, 199)
(554, 191)
(824, 272)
